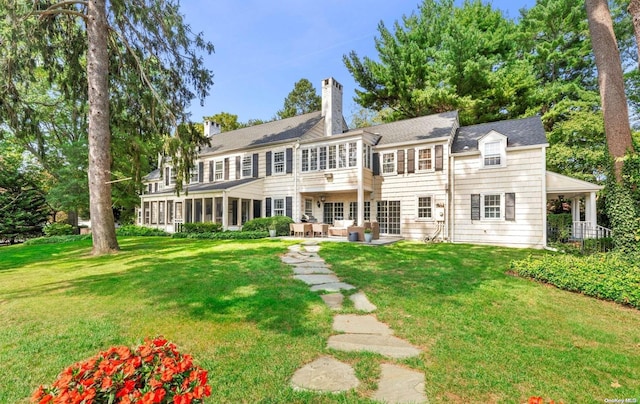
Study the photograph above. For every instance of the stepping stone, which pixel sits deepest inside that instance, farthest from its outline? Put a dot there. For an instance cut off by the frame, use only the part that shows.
(332, 287)
(287, 259)
(312, 248)
(333, 300)
(325, 374)
(312, 264)
(299, 270)
(400, 385)
(355, 324)
(387, 345)
(295, 248)
(317, 279)
(361, 302)
(309, 242)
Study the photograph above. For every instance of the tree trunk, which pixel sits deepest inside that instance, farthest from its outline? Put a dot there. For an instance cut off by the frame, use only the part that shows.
(610, 82)
(634, 10)
(102, 222)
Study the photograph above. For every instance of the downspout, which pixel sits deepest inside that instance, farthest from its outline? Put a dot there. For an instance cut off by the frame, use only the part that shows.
(296, 199)
(543, 208)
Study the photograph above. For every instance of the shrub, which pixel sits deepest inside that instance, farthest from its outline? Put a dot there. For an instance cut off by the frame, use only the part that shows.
(58, 229)
(57, 239)
(610, 276)
(153, 373)
(201, 227)
(225, 235)
(281, 224)
(132, 230)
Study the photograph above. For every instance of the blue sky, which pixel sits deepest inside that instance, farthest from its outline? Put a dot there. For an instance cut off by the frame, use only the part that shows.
(263, 48)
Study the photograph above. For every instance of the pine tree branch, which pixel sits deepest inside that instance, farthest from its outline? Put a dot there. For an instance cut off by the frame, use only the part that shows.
(58, 9)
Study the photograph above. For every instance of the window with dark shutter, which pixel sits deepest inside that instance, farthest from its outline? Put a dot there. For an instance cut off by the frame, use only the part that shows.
(510, 206)
(289, 161)
(438, 153)
(411, 161)
(238, 166)
(400, 161)
(167, 176)
(255, 165)
(268, 157)
(475, 206)
(289, 206)
(226, 169)
(210, 171)
(201, 172)
(376, 163)
(267, 207)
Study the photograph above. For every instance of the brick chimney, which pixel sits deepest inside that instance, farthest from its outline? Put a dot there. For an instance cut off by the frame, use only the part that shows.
(211, 128)
(332, 106)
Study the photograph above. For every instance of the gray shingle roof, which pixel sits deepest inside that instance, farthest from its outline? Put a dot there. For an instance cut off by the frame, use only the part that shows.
(519, 132)
(416, 129)
(208, 186)
(259, 135)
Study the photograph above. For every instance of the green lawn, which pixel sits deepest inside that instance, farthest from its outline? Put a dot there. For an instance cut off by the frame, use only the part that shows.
(486, 336)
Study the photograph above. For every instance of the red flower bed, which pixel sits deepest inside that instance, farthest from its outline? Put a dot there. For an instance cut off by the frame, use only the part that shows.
(153, 373)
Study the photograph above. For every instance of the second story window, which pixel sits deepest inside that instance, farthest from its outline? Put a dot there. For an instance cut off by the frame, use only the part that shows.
(218, 174)
(492, 154)
(388, 163)
(247, 166)
(278, 162)
(425, 160)
(193, 175)
(353, 158)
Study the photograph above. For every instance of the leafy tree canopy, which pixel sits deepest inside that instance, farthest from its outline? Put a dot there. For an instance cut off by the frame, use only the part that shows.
(301, 100)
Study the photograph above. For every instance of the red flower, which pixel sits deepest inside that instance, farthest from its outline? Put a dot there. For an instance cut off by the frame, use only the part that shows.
(182, 398)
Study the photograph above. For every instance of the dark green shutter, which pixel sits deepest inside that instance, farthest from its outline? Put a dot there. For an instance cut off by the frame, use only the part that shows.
(289, 160)
(376, 163)
(268, 157)
(288, 206)
(400, 162)
(411, 161)
(267, 207)
(439, 158)
(255, 165)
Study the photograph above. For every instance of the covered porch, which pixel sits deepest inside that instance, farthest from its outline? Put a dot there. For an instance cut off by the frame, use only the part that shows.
(581, 195)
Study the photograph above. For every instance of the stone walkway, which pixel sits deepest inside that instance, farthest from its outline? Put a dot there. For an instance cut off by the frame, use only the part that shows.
(354, 333)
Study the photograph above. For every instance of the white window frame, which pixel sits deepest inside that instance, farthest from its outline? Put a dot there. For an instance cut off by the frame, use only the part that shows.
(194, 175)
(279, 167)
(497, 141)
(393, 163)
(246, 166)
(276, 210)
(430, 208)
(431, 159)
(483, 213)
(218, 172)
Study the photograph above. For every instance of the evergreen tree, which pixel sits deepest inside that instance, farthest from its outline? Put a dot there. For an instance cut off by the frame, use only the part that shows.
(301, 100)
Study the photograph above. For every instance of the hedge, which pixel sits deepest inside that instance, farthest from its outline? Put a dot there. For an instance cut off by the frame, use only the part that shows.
(281, 224)
(225, 235)
(58, 229)
(57, 239)
(201, 227)
(132, 230)
(610, 276)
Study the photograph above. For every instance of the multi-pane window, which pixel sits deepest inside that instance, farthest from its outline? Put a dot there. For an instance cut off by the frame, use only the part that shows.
(367, 210)
(219, 170)
(313, 159)
(492, 206)
(305, 160)
(424, 207)
(353, 210)
(492, 154)
(193, 175)
(323, 157)
(332, 157)
(425, 161)
(342, 155)
(333, 211)
(247, 166)
(278, 207)
(353, 158)
(308, 207)
(366, 156)
(161, 212)
(388, 163)
(278, 162)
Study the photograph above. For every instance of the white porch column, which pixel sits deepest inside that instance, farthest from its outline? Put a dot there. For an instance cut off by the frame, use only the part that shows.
(239, 212)
(575, 209)
(360, 190)
(590, 212)
(225, 211)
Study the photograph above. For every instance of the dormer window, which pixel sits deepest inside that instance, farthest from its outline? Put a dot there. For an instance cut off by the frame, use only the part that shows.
(493, 150)
(492, 154)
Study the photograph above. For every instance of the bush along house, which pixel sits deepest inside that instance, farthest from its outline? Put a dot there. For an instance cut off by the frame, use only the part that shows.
(420, 178)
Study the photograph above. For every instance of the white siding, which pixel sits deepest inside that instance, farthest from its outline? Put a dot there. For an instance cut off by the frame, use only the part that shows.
(523, 175)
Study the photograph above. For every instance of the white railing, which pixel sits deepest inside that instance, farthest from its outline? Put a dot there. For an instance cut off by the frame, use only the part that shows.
(584, 230)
